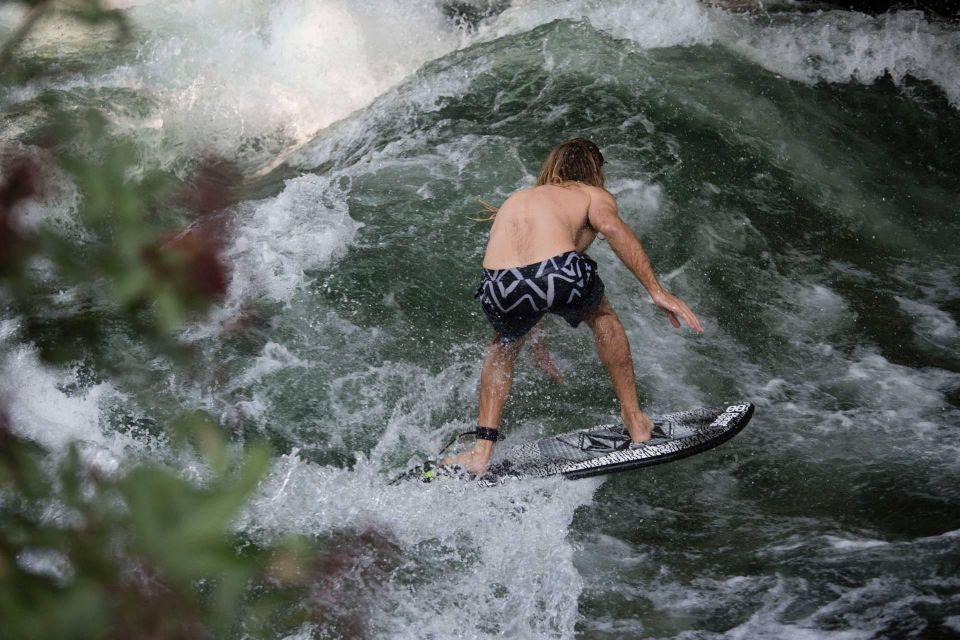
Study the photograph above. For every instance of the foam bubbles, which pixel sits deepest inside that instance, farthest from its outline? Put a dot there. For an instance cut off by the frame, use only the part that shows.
(838, 46)
(498, 559)
(55, 205)
(638, 195)
(831, 46)
(932, 325)
(664, 23)
(403, 398)
(234, 76)
(853, 545)
(305, 227)
(274, 357)
(8, 329)
(885, 385)
(811, 312)
(43, 411)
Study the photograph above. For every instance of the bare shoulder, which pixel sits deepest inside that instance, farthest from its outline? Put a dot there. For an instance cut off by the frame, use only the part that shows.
(515, 202)
(519, 194)
(599, 197)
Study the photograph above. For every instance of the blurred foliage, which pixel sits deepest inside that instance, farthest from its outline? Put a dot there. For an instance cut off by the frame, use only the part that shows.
(130, 266)
(144, 552)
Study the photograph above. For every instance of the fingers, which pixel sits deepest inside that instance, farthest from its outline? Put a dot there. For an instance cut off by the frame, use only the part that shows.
(690, 318)
(696, 324)
(674, 307)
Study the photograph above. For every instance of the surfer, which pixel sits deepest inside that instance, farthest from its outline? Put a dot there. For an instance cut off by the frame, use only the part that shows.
(535, 264)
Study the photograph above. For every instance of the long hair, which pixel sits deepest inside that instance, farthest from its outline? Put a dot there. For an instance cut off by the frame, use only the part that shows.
(577, 160)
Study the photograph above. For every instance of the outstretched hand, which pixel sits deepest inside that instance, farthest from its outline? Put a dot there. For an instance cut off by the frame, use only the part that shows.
(674, 307)
(542, 357)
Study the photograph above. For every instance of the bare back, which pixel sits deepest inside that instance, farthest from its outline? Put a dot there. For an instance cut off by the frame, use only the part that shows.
(538, 223)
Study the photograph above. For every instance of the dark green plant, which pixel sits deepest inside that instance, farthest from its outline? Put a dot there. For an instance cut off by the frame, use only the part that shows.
(129, 551)
(141, 553)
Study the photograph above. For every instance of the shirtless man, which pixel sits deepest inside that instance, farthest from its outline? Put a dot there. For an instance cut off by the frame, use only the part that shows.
(535, 264)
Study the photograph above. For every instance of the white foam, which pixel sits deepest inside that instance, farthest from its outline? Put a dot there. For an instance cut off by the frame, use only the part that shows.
(898, 600)
(831, 46)
(681, 598)
(306, 632)
(608, 556)
(496, 558)
(884, 385)
(639, 196)
(49, 563)
(886, 396)
(775, 606)
(8, 329)
(242, 79)
(847, 544)
(56, 33)
(663, 23)
(41, 410)
(814, 312)
(841, 46)
(277, 240)
(938, 284)
(832, 388)
(56, 203)
(225, 72)
(273, 357)
(401, 399)
(766, 623)
(930, 322)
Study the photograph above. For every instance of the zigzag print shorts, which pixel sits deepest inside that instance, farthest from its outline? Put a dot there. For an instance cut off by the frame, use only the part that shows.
(515, 299)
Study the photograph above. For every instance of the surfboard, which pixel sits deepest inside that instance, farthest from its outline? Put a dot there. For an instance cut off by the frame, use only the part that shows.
(607, 449)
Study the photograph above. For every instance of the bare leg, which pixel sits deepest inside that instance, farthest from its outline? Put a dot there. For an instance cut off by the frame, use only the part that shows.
(614, 351)
(495, 382)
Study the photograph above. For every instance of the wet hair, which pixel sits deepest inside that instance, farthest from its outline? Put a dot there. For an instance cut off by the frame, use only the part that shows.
(577, 160)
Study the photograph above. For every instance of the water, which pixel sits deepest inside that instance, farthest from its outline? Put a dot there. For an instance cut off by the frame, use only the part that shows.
(793, 177)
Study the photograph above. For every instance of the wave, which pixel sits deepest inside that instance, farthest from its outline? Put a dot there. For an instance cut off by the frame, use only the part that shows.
(247, 79)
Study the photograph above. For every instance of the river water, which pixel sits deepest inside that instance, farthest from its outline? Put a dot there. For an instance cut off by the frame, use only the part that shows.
(794, 177)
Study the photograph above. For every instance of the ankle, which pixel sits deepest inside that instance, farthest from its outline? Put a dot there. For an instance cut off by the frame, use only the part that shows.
(482, 449)
(638, 424)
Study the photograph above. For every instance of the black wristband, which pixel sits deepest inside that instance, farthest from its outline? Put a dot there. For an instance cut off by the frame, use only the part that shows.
(485, 433)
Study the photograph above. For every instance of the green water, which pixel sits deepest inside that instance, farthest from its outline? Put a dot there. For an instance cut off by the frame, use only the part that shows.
(811, 226)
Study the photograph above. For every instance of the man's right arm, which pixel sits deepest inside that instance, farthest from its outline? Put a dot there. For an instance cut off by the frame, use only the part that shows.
(605, 219)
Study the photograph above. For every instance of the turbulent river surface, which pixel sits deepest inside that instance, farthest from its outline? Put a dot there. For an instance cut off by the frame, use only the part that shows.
(795, 178)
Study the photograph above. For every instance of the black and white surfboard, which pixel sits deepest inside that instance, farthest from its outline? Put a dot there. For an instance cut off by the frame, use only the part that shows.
(607, 449)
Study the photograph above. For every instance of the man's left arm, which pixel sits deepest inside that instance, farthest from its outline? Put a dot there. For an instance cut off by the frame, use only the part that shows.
(605, 218)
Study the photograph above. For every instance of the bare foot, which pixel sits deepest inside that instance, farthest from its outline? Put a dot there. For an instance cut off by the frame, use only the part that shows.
(475, 460)
(639, 425)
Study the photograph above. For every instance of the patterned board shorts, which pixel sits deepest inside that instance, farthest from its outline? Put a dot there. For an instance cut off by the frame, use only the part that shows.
(515, 299)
